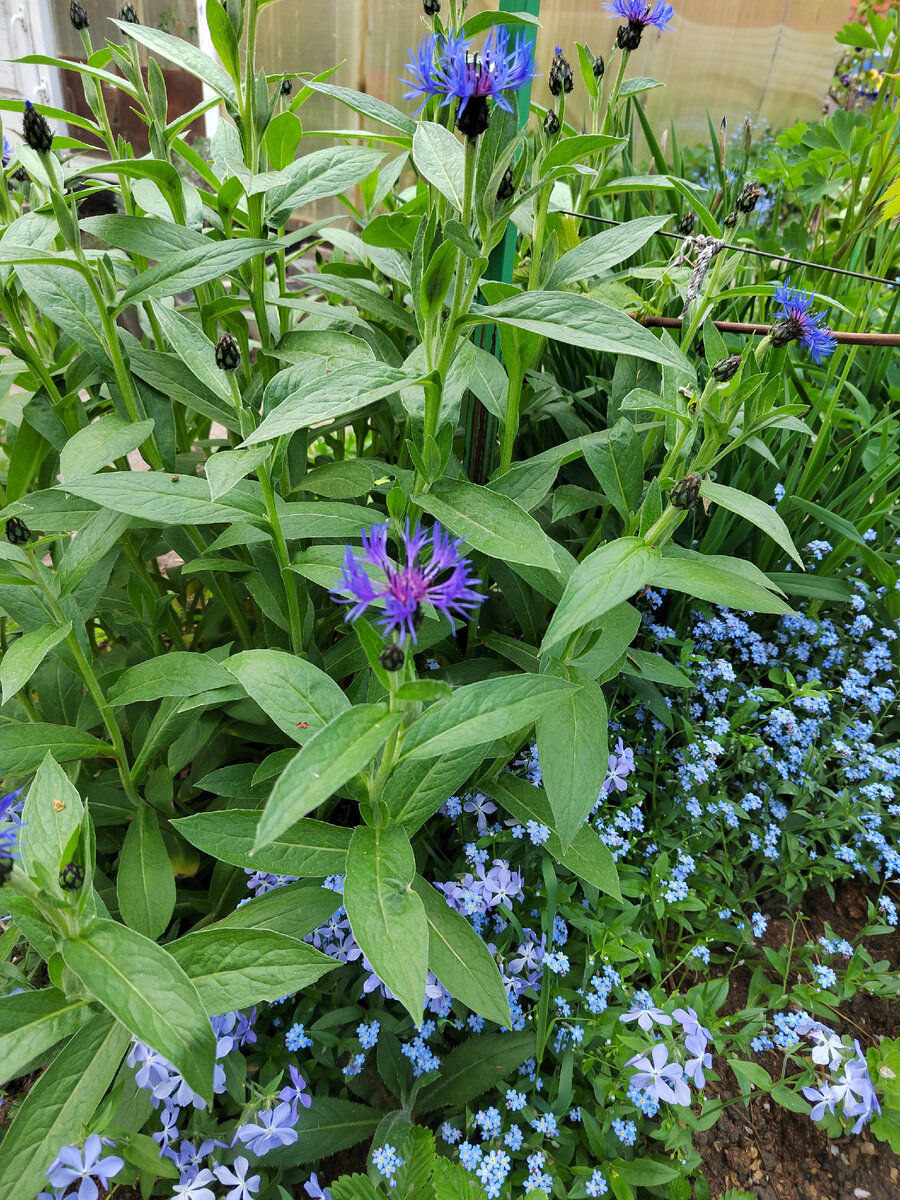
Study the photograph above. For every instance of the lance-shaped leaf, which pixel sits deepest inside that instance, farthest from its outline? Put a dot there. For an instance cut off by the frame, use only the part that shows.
(164, 499)
(482, 712)
(31, 1023)
(25, 654)
(335, 754)
(460, 959)
(308, 848)
(718, 579)
(386, 916)
(145, 881)
(298, 696)
(190, 269)
(146, 990)
(753, 509)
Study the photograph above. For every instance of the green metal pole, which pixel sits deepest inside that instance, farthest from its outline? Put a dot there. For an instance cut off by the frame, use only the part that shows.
(481, 427)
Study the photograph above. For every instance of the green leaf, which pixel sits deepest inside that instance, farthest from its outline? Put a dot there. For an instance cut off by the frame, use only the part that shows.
(366, 106)
(162, 499)
(604, 250)
(24, 746)
(640, 83)
(31, 1023)
(586, 857)
(440, 158)
(718, 579)
(237, 968)
(329, 1126)
(148, 992)
(188, 270)
(356, 1187)
(644, 1171)
(25, 654)
(608, 576)
(618, 466)
(319, 175)
(194, 349)
(762, 515)
(418, 787)
(788, 1099)
(100, 443)
(386, 916)
(750, 1074)
(227, 468)
(294, 910)
(814, 586)
(64, 297)
(178, 673)
(460, 959)
(145, 883)
(618, 628)
(489, 522)
(482, 712)
(223, 38)
(332, 756)
(53, 1111)
(576, 148)
(580, 321)
(308, 848)
(474, 1067)
(282, 139)
(184, 55)
(652, 666)
(573, 749)
(299, 697)
(451, 1179)
(149, 237)
(837, 524)
(338, 395)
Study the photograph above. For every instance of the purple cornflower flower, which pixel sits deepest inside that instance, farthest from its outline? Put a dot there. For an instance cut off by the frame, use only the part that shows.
(80, 1166)
(798, 323)
(446, 67)
(444, 581)
(661, 1079)
(639, 15)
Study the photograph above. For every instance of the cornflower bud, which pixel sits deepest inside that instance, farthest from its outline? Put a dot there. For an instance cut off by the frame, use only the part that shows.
(474, 118)
(228, 353)
(286, 87)
(129, 15)
(71, 877)
(749, 195)
(35, 130)
(599, 67)
(628, 36)
(686, 223)
(551, 123)
(78, 16)
(20, 175)
(17, 531)
(392, 657)
(432, 7)
(727, 368)
(507, 185)
(731, 220)
(686, 492)
(560, 78)
(748, 135)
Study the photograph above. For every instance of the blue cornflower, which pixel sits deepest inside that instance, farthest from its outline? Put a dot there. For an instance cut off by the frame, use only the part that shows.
(7, 151)
(639, 15)
(444, 581)
(446, 67)
(798, 323)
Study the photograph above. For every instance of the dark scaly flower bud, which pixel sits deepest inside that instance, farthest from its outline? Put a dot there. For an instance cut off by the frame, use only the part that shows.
(628, 36)
(551, 124)
(507, 185)
(71, 877)
(474, 118)
(686, 492)
(392, 657)
(731, 220)
(686, 223)
(286, 87)
(78, 16)
(560, 78)
(129, 15)
(432, 7)
(228, 353)
(20, 175)
(788, 330)
(750, 193)
(727, 368)
(35, 130)
(17, 531)
(599, 67)
(6, 868)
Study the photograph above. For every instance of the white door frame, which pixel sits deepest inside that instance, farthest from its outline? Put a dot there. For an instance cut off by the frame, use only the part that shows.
(30, 31)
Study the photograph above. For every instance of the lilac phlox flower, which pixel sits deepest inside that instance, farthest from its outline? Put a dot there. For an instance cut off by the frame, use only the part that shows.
(480, 804)
(193, 1187)
(694, 1068)
(619, 767)
(529, 955)
(153, 1069)
(640, 13)
(235, 1177)
(295, 1093)
(81, 1166)
(189, 1157)
(443, 581)
(798, 323)
(645, 1012)
(822, 1099)
(312, 1189)
(169, 1132)
(661, 1079)
(696, 1036)
(274, 1127)
(502, 886)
